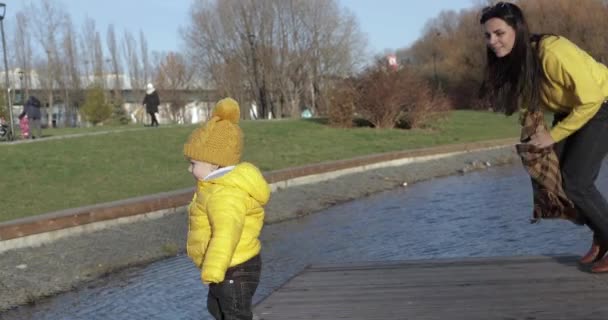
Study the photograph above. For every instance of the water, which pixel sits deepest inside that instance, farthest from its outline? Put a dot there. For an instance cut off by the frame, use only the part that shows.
(480, 214)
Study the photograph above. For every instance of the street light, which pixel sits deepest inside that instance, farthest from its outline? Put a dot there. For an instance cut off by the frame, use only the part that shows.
(8, 98)
(21, 86)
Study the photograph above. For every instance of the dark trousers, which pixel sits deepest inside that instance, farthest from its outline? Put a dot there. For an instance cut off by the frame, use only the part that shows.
(231, 299)
(581, 155)
(153, 117)
(35, 128)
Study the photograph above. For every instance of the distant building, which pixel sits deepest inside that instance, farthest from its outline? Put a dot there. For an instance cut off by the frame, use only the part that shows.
(65, 113)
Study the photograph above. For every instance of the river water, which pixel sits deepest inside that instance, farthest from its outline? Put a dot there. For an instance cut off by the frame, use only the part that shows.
(484, 213)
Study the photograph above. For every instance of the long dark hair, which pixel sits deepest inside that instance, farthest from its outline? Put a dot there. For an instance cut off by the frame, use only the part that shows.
(513, 81)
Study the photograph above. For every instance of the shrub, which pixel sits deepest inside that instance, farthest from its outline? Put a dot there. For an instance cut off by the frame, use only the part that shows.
(119, 114)
(95, 108)
(381, 95)
(342, 104)
(388, 98)
(423, 107)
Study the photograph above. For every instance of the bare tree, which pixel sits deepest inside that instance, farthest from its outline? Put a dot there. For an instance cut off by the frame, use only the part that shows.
(72, 83)
(98, 62)
(23, 52)
(49, 17)
(115, 63)
(145, 58)
(583, 22)
(457, 55)
(257, 27)
(87, 45)
(93, 51)
(133, 63)
(279, 52)
(316, 41)
(292, 72)
(337, 44)
(218, 53)
(173, 80)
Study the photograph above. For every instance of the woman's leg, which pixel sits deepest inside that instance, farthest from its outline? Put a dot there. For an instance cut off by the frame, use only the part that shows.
(37, 126)
(595, 251)
(581, 157)
(154, 121)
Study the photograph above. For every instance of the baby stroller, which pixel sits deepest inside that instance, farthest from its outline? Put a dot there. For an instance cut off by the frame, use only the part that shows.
(5, 131)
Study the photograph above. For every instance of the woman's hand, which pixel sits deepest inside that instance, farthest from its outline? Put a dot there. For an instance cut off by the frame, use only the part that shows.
(541, 139)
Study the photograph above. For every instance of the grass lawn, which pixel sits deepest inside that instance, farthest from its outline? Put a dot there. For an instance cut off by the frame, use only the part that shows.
(59, 174)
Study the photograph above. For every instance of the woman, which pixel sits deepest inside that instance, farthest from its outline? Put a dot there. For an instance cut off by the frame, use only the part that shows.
(151, 102)
(31, 119)
(529, 72)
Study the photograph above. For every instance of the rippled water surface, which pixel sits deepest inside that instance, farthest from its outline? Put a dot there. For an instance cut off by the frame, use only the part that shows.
(480, 214)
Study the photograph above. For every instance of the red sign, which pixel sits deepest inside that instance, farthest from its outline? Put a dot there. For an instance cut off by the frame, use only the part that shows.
(392, 61)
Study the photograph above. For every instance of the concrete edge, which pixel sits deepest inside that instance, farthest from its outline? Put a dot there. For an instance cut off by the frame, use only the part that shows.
(37, 230)
(38, 239)
(313, 178)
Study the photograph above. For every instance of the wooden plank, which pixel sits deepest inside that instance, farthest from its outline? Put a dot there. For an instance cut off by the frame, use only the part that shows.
(478, 288)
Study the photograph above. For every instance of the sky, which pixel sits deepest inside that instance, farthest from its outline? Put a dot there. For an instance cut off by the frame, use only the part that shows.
(394, 24)
(388, 24)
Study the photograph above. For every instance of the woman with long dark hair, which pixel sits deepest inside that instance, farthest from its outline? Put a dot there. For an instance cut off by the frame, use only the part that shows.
(548, 72)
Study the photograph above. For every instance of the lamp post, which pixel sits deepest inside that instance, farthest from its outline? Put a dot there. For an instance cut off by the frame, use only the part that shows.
(8, 98)
(52, 71)
(21, 86)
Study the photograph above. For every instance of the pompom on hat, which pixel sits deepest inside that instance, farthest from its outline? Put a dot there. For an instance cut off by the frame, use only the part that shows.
(220, 140)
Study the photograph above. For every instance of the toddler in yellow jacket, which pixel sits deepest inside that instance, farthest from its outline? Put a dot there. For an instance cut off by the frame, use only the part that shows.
(226, 214)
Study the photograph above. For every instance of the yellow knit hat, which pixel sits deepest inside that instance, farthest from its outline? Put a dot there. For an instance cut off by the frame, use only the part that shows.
(220, 140)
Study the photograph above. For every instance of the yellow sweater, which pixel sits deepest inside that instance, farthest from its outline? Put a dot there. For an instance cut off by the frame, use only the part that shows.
(225, 219)
(575, 84)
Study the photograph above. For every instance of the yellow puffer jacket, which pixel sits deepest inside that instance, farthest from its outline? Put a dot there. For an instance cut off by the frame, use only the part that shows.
(574, 83)
(226, 216)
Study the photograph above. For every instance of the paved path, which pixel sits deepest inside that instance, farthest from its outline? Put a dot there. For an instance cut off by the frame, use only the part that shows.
(77, 135)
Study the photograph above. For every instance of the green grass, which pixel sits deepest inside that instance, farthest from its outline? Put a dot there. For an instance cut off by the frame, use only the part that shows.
(58, 174)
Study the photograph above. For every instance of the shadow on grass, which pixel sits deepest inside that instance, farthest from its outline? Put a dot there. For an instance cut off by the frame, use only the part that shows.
(362, 123)
(357, 122)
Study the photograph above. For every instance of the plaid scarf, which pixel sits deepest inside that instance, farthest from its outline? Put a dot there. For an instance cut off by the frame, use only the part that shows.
(550, 200)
